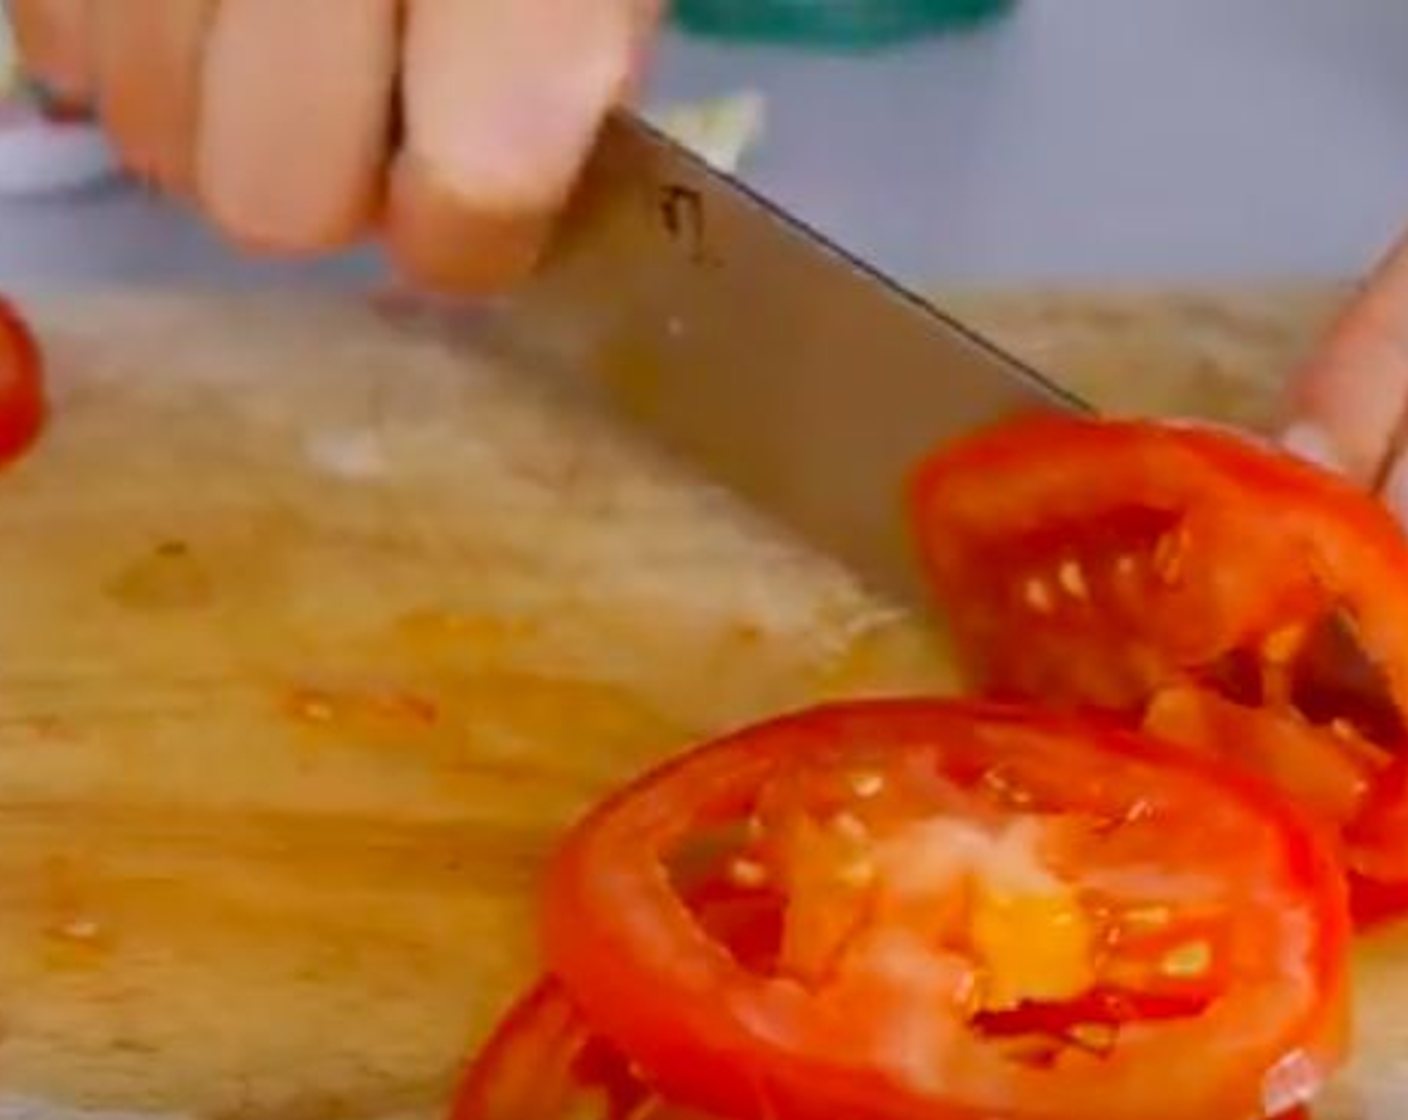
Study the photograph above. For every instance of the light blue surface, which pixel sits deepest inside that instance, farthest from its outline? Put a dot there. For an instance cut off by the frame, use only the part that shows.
(1081, 140)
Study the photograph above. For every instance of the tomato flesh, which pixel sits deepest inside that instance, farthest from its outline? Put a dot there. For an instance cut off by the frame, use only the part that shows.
(980, 913)
(1223, 595)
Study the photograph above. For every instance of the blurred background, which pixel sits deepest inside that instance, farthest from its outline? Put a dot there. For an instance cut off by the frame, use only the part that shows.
(1071, 141)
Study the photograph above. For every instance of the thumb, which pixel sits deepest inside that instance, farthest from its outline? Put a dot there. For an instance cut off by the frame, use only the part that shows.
(502, 101)
(1348, 402)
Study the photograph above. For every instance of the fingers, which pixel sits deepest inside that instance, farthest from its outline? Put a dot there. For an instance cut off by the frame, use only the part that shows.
(276, 115)
(295, 118)
(55, 38)
(1349, 401)
(148, 64)
(502, 100)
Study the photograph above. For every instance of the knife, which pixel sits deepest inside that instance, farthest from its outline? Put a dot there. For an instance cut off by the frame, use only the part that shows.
(769, 358)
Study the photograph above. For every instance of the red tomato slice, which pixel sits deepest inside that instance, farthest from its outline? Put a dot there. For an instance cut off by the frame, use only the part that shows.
(1235, 598)
(21, 387)
(544, 1062)
(980, 912)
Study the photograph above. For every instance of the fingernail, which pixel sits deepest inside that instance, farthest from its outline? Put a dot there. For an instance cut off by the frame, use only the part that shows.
(1309, 441)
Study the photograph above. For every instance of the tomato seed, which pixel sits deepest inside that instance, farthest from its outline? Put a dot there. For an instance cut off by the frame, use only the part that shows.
(747, 873)
(1147, 917)
(857, 873)
(850, 827)
(1097, 1037)
(1071, 577)
(998, 784)
(1168, 556)
(1187, 961)
(1038, 596)
(1280, 647)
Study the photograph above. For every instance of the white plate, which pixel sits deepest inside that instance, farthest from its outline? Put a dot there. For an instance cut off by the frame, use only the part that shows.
(38, 157)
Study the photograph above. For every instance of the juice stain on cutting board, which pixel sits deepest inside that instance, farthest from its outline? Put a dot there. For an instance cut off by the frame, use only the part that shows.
(286, 734)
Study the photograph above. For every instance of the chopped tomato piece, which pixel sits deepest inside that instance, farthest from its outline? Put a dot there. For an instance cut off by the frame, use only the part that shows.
(21, 386)
(1227, 596)
(962, 910)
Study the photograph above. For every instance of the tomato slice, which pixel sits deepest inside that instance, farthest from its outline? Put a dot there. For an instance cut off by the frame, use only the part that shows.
(1227, 596)
(545, 1062)
(979, 912)
(21, 387)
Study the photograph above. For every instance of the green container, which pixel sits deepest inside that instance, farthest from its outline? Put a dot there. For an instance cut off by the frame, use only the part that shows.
(855, 24)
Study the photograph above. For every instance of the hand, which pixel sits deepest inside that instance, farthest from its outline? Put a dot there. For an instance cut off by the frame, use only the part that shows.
(454, 127)
(1350, 401)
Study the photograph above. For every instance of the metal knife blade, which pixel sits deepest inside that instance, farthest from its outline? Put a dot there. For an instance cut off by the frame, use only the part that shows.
(783, 367)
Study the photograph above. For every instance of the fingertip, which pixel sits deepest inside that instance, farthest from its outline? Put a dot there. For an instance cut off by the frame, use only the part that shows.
(1353, 385)
(1395, 490)
(444, 242)
(503, 102)
(1341, 402)
(151, 110)
(248, 223)
(260, 231)
(295, 104)
(1307, 440)
(253, 219)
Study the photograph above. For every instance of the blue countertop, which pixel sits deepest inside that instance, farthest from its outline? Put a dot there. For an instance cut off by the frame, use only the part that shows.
(1079, 141)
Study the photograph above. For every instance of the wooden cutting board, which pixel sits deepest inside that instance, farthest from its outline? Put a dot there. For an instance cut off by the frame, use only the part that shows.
(312, 635)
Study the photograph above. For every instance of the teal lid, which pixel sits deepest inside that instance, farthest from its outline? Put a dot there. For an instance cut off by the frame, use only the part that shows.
(832, 23)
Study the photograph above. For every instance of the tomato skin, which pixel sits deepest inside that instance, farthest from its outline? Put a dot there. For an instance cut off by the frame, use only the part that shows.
(543, 1063)
(526, 1071)
(752, 1047)
(22, 405)
(1139, 557)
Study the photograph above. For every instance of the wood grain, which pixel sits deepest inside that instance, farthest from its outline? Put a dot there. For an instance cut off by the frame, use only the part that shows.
(314, 634)
(1218, 353)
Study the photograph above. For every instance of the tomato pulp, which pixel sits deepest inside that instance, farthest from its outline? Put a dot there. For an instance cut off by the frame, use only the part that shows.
(960, 910)
(1223, 595)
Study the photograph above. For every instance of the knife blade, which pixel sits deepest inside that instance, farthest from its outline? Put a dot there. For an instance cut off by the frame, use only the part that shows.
(777, 363)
